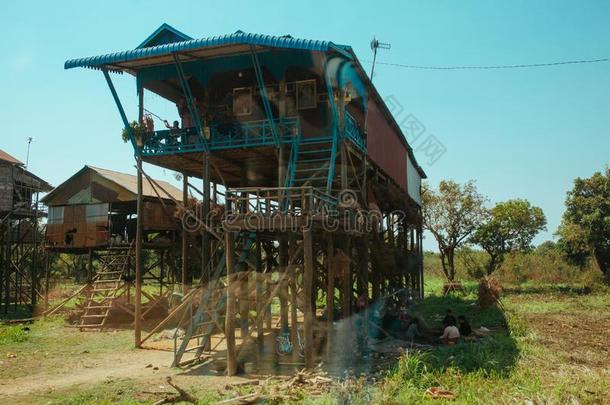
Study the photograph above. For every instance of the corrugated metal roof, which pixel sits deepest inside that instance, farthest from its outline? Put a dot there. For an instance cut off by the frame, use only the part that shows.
(130, 183)
(239, 37)
(5, 157)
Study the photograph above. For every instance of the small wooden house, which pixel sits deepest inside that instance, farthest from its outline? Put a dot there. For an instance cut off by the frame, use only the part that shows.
(18, 188)
(96, 208)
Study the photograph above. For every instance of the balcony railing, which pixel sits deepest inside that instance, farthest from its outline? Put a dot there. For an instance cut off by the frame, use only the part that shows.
(220, 136)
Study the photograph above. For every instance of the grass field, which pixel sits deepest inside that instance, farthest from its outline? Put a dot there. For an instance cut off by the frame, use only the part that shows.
(549, 346)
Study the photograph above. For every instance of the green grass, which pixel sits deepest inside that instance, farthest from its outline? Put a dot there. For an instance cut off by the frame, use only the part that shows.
(511, 368)
(13, 334)
(121, 392)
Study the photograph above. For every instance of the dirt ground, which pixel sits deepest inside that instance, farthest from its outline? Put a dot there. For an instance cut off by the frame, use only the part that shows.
(582, 338)
(573, 328)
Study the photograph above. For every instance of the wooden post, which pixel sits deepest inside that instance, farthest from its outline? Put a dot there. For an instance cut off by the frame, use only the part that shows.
(330, 294)
(364, 269)
(206, 271)
(230, 307)
(283, 293)
(293, 294)
(308, 304)
(161, 270)
(138, 292)
(267, 284)
(47, 282)
(185, 185)
(347, 281)
(260, 310)
(139, 228)
(420, 249)
(244, 302)
(90, 265)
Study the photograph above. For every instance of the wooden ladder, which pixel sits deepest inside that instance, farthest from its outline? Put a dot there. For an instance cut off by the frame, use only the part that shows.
(107, 283)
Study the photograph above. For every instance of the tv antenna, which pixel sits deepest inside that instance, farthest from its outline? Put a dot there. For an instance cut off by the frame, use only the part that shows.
(375, 44)
(27, 156)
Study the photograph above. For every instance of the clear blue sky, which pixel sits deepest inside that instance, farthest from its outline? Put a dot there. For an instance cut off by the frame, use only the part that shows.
(519, 133)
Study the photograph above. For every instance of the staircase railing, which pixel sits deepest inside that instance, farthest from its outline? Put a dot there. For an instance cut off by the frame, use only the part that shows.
(267, 201)
(353, 133)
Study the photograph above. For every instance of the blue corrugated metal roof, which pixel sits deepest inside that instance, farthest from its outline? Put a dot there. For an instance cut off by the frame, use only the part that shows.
(231, 39)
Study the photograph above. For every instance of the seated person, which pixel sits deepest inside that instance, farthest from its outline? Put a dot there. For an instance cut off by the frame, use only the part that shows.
(449, 319)
(464, 326)
(451, 335)
(413, 329)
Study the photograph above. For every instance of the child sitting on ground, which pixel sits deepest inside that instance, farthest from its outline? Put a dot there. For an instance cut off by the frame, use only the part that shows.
(451, 334)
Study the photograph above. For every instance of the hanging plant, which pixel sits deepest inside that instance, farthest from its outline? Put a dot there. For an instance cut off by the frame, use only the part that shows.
(139, 130)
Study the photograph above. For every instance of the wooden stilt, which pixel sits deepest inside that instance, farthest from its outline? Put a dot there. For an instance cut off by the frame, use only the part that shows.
(230, 306)
(269, 271)
(283, 258)
(138, 292)
(330, 294)
(244, 302)
(308, 304)
(90, 265)
(260, 307)
(292, 270)
(184, 262)
(347, 282)
(205, 236)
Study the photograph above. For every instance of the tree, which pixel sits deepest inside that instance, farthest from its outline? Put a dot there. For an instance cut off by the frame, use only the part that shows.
(452, 214)
(585, 225)
(511, 226)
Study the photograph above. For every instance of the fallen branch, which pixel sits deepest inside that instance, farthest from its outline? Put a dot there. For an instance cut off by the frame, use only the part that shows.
(241, 384)
(244, 399)
(183, 396)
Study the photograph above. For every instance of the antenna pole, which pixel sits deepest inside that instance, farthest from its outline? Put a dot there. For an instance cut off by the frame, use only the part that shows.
(27, 157)
(375, 44)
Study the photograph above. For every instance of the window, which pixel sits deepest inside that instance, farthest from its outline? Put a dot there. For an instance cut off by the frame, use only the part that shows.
(242, 101)
(306, 94)
(56, 215)
(97, 212)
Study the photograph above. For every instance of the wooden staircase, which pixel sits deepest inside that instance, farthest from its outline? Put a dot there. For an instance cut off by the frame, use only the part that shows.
(107, 283)
(312, 163)
(209, 314)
